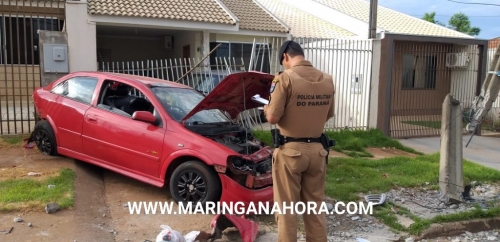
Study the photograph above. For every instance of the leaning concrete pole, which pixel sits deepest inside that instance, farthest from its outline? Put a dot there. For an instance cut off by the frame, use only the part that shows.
(451, 182)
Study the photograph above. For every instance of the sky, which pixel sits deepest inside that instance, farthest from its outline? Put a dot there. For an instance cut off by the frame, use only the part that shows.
(486, 17)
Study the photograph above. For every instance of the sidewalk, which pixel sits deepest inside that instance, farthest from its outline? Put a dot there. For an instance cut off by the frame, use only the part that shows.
(484, 150)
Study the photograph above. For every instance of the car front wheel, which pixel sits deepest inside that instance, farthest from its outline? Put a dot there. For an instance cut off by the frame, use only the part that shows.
(194, 182)
(44, 137)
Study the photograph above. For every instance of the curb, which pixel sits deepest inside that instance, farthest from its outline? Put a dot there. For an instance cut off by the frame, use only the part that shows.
(458, 228)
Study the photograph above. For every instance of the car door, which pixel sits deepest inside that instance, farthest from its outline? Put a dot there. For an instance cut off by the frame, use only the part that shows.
(73, 99)
(115, 139)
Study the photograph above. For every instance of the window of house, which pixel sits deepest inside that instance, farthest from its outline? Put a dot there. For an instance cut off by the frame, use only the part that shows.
(239, 55)
(80, 89)
(419, 71)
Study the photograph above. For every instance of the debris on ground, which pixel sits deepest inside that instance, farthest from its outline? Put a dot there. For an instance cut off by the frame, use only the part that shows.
(376, 199)
(52, 208)
(468, 236)
(7, 231)
(18, 219)
(425, 203)
(34, 174)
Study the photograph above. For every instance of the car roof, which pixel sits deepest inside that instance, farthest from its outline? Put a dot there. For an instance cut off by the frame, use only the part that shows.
(143, 79)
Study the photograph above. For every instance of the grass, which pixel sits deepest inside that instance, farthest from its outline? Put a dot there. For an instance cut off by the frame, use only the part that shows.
(28, 194)
(348, 177)
(12, 140)
(351, 142)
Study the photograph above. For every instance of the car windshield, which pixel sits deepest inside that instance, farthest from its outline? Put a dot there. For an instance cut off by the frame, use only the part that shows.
(178, 102)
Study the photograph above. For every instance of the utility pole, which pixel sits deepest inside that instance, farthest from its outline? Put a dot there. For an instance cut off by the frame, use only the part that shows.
(372, 25)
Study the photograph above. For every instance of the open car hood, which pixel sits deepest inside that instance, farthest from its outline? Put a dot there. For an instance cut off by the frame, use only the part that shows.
(234, 93)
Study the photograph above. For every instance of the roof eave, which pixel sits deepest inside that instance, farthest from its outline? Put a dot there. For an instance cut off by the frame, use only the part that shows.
(287, 28)
(228, 11)
(161, 23)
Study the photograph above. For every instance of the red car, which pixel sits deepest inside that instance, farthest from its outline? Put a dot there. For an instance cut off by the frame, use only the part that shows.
(160, 132)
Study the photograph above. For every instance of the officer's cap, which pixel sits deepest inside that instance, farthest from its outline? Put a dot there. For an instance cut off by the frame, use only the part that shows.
(286, 46)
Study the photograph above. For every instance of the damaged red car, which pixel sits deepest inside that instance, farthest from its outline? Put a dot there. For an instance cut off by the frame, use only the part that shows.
(160, 132)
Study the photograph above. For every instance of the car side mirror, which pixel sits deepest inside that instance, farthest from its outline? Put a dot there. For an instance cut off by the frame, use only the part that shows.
(144, 116)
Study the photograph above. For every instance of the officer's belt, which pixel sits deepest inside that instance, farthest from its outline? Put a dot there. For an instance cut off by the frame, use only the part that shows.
(305, 140)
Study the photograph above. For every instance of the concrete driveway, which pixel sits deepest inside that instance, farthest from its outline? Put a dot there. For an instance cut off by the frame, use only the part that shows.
(484, 150)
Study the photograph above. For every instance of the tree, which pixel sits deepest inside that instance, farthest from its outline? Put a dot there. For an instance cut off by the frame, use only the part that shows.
(430, 17)
(460, 22)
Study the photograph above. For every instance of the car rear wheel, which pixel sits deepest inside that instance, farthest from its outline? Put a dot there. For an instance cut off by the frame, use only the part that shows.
(194, 182)
(44, 137)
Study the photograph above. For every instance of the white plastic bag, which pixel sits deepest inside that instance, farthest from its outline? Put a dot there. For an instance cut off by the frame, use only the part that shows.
(169, 235)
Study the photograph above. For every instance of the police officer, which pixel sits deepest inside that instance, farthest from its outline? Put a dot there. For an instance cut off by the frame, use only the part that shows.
(301, 102)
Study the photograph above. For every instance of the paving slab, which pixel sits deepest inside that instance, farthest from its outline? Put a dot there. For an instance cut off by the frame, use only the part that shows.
(483, 150)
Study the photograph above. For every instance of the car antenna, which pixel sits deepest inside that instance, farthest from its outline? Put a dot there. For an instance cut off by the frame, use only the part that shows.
(209, 53)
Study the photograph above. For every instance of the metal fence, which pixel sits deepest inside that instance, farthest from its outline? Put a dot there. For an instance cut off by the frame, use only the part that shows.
(348, 61)
(423, 74)
(19, 58)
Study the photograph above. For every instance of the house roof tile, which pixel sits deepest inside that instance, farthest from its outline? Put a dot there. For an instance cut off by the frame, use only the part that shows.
(199, 10)
(303, 24)
(391, 20)
(253, 17)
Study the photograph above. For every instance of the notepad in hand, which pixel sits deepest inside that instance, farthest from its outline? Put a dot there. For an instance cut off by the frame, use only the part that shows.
(258, 99)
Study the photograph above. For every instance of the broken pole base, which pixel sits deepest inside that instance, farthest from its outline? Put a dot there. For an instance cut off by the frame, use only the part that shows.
(451, 183)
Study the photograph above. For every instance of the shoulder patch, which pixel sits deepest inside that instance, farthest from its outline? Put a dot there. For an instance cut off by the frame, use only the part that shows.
(273, 85)
(275, 80)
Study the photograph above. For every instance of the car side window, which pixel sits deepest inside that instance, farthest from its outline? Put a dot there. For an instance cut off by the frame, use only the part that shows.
(80, 89)
(125, 100)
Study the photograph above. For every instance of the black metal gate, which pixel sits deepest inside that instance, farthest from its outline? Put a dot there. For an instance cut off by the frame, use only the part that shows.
(423, 73)
(19, 58)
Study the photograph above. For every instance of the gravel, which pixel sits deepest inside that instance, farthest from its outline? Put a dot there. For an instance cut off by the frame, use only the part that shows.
(468, 236)
(425, 203)
(422, 202)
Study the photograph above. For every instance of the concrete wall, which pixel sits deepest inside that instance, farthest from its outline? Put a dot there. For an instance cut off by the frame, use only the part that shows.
(50, 37)
(373, 109)
(81, 37)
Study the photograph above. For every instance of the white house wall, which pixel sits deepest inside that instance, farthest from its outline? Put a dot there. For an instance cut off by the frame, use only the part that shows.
(81, 38)
(345, 60)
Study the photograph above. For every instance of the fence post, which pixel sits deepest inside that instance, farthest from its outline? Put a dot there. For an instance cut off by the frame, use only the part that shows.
(451, 156)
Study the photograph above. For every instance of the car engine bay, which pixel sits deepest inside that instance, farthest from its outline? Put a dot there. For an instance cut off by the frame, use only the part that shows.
(252, 166)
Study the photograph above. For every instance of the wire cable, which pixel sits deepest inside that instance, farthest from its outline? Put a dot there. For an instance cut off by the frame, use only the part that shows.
(488, 4)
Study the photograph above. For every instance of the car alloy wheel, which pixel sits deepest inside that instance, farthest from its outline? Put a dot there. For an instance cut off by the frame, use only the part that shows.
(44, 138)
(195, 182)
(43, 142)
(192, 186)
